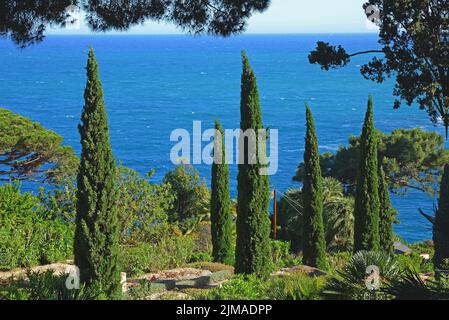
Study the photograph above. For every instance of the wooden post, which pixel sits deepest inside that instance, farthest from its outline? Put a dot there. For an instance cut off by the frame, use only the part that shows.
(275, 216)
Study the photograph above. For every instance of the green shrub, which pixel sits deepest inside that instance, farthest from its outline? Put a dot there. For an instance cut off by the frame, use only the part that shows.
(415, 263)
(297, 286)
(191, 197)
(168, 253)
(44, 286)
(14, 289)
(239, 288)
(29, 237)
(196, 293)
(279, 251)
(425, 247)
(281, 256)
(338, 261)
(201, 257)
(143, 207)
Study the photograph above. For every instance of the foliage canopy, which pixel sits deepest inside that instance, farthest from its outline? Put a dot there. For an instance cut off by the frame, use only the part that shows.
(30, 152)
(25, 22)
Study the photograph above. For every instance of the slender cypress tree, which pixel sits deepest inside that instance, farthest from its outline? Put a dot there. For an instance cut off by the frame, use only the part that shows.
(97, 230)
(441, 226)
(386, 215)
(220, 213)
(253, 250)
(366, 233)
(314, 243)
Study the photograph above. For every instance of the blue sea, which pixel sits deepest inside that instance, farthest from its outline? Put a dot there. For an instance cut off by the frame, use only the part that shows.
(155, 84)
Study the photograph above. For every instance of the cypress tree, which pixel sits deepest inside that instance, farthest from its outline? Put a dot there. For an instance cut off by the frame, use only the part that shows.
(97, 231)
(314, 243)
(386, 215)
(220, 213)
(253, 250)
(441, 226)
(366, 232)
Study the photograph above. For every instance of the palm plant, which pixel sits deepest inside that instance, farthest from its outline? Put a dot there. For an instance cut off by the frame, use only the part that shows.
(338, 216)
(356, 280)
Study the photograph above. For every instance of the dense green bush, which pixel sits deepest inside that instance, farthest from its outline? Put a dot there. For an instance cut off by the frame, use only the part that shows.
(414, 262)
(297, 286)
(166, 254)
(281, 256)
(29, 237)
(191, 197)
(239, 288)
(142, 207)
(337, 261)
(44, 286)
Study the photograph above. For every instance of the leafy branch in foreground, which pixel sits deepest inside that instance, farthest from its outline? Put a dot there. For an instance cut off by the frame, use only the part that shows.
(26, 22)
(414, 48)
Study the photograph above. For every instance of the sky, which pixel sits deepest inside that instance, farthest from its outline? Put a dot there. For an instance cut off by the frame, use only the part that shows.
(283, 16)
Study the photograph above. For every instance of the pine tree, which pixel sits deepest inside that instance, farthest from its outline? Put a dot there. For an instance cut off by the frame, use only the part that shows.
(441, 226)
(253, 250)
(314, 243)
(366, 232)
(97, 229)
(386, 215)
(220, 213)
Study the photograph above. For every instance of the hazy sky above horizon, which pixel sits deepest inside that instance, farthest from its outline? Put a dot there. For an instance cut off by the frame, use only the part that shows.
(283, 16)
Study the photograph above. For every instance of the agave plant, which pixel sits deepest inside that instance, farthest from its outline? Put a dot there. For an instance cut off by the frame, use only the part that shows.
(365, 277)
(411, 286)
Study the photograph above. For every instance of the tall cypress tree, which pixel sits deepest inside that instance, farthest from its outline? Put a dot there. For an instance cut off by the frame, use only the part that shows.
(97, 230)
(386, 215)
(366, 233)
(314, 243)
(220, 213)
(253, 251)
(441, 226)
